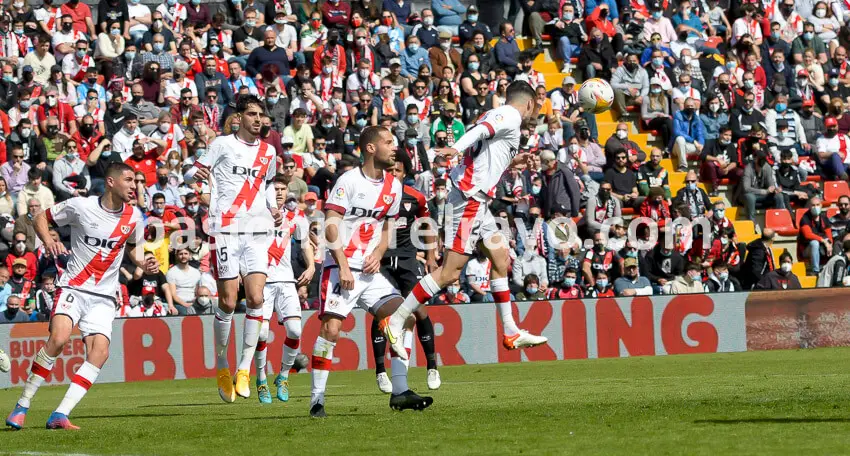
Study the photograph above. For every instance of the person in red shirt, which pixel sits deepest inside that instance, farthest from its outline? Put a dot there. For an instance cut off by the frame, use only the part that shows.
(81, 14)
(333, 49)
(599, 19)
(569, 289)
(62, 111)
(88, 137)
(144, 160)
(815, 239)
(336, 13)
(19, 252)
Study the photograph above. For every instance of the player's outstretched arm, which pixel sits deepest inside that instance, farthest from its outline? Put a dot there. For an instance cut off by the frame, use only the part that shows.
(332, 221)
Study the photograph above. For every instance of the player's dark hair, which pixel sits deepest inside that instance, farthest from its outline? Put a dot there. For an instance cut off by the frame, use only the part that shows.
(280, 178)
(370, 135)
(529, 279)
(158, 196)
(247, 100)
(520, 91)
(406, 163)
(116, 169)
(34, 173)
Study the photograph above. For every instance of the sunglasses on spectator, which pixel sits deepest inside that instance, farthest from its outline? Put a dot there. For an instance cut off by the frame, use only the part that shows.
(186, 98)
(691, 181)
(386, 87)
(91, 98)
(17, 156)
(289, 167)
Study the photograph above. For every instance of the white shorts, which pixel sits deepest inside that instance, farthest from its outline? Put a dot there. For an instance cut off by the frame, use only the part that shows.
(471, 221)
(281, 297)
(92, 313)
(371, 291)
(239, 254)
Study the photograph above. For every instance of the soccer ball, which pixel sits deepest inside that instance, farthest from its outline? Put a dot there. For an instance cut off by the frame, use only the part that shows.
(5, 363)
(596, 95)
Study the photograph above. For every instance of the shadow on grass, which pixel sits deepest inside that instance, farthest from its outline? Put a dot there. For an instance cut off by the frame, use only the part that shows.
(774, 420)
(208, 404)
(132, 415)
(297, 417)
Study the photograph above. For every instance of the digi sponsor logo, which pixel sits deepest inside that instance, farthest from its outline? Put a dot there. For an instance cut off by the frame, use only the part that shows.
(26, 339)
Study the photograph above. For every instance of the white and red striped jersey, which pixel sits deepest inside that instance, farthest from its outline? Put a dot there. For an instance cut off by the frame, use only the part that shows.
(838, 144)
(98, 238)
(241, 175)
(365, 205)
(280, 252)
(488, 149)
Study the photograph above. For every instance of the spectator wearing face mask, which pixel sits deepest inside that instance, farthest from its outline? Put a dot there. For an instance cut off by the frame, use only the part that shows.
(19, 252)
(600, 259)
(632, 283)
(832, 151)
(44, 297)
(662, 264)
(814, 242)
(531, 289)
(688, 283)
(568, 288)
(452, 295)
(560, 186)
(530, 264)
(652, 175)
(13, 313)
(693, 197)
(781, 278)
(719, 281)
(34, 190)
(835, 271)
(602, 288)
(203, 302)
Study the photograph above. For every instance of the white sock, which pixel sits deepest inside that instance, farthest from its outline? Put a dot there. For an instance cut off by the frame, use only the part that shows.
(290, 345)
(260, 353)
(502, 296)
(250, 336)
(80, 384)
(41, 367)
(422, 292)
(323, 355)
(221, 333)
(399, 366)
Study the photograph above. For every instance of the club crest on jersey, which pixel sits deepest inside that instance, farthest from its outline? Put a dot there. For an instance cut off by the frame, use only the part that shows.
(407, 206)
(125, 229)
(264, 160)
(388, 199)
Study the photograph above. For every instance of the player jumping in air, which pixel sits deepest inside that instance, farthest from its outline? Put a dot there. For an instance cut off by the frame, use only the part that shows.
(405, 271)
(243, 213)
(489, 148)
(101, 227)
(281, 295)
(358, 234)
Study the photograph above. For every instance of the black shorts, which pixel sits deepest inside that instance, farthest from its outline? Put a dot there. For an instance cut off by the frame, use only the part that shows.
(403, 273)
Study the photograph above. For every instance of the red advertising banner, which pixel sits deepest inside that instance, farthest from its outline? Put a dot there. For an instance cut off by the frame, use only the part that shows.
(179, 348)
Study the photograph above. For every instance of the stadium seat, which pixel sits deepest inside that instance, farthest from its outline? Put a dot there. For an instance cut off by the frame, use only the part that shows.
(799, 269)
(746, 230)
(808, 281)
(831, 212)
(834, 189)
(628, 211)
(780, 220)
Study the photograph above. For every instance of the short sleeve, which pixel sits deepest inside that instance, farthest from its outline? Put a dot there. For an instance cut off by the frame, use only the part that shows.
(588, 257)
(302, 228)
(399, 192)
(340, 197)
(138, 236)
(64, 213)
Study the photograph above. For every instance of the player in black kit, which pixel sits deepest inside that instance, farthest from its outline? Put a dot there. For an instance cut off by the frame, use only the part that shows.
(404, 270)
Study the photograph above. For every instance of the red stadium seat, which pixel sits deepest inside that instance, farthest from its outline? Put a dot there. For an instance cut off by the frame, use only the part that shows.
(831, 212)
(780, 221)
(834, 189)
(813, 178)
(798, 214)
(628, 211)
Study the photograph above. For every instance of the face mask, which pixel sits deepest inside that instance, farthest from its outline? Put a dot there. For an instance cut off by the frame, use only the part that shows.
(204, 301)
(157, 47)
(780, 107)
(11, 313)
(52, 131)
(723, 276)
(25, 132)
(67, 28)
(429, 21)
(686, 60)
(731, 65)
(655, 90)
(130, 55)
(157, 210)
(602, 283)
(200, 152)
(531, 290)
(820, 13)
(599, 247)
(473, 66)
(780, 66)
(714, 107)
(80, 54)
(441, 195)
(535, 190)
(215, 49)
(809, 36)
(657, 61)
(441, 170)
(749, 84)
(291, 205)
(622, 134)
(688, 111)
(816, 210)
(719, 213)
(413, 47)
(196, 2)
(694, 276)
(442, 142)
(833, 82)
(453, 289)
(328, 70)
(472, 17)
(831, 133)
(657, 15)
(692, 186)
(164, 128)
(786, 267)
(568, 17)
(250, 24)
(569, 282)
(72, 156)
(412, 119)
(360, 122)
(631, 66)
(174, 162)
(106, 153)
(157, 23)
(25, 104)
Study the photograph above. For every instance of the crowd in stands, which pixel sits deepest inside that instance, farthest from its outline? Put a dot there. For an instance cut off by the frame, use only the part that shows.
(754, 92)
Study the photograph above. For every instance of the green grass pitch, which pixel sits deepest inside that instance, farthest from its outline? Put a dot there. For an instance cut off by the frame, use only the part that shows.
(782, 402)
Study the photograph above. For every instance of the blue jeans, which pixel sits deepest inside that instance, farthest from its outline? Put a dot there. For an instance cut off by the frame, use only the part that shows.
(813, 254)
(299, 58)
(567, 50)
(589, 72)
(833, 167)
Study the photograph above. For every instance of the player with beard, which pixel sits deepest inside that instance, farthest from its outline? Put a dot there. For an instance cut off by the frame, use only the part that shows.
(243, 213)
(101, 228)
(358, 235)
